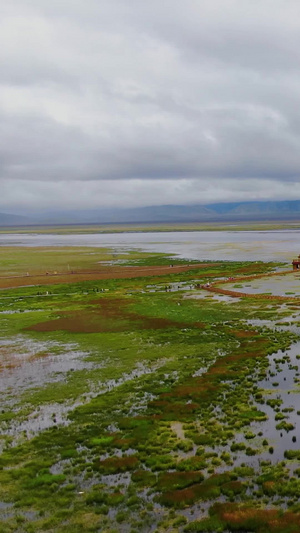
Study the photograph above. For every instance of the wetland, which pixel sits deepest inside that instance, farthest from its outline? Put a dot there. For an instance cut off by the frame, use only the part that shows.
(133, 399)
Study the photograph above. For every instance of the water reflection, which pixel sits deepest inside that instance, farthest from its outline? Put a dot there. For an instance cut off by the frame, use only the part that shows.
(281, 285)
(279, 245)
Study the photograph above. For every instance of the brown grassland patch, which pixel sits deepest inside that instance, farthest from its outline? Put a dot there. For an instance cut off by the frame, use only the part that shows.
(107, 315)
(102, 273)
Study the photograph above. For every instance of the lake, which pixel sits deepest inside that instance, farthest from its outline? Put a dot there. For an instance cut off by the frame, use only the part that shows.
(277, 245)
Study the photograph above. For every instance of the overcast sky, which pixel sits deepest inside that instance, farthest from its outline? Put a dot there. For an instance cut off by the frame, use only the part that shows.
(123, 103)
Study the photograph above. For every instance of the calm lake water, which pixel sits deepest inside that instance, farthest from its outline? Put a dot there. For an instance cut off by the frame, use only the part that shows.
(280, 245)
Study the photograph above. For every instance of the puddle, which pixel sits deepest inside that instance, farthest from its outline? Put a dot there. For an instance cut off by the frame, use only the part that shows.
(27, 364)
(141, 404)
(282, 384)
(201, 294)
(4, 506)
(177, 427)
(172, 287)
(282, 285)
(18, 311)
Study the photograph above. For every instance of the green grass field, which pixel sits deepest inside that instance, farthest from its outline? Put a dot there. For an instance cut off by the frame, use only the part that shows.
(132, 405)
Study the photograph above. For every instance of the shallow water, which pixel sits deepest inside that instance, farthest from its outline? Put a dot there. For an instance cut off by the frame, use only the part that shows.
(281, 285)
(277, 245)
(282, 385)
(201, 294)
(287, 390)
(27, 364)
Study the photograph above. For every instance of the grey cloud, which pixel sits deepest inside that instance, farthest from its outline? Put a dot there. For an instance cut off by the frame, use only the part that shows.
(160, 93)
(218, 143)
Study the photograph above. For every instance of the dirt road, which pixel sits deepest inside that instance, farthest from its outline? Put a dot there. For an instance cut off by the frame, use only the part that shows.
(101, 274)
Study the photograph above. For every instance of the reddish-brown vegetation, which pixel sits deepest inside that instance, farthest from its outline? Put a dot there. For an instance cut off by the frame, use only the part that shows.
(110, 315)
(176, 480)
(242, 518)
(101, 274)
(114, 465)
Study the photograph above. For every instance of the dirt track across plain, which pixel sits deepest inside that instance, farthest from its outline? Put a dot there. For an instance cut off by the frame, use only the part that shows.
(101, 274)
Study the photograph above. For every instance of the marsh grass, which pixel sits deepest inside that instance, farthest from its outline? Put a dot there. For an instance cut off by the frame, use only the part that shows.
(152, 362)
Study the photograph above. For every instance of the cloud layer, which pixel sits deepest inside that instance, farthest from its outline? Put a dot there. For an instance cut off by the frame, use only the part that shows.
(139, 103)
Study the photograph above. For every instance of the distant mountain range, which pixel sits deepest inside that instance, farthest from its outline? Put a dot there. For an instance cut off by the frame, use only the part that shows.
(13, 220)
(236, 211)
